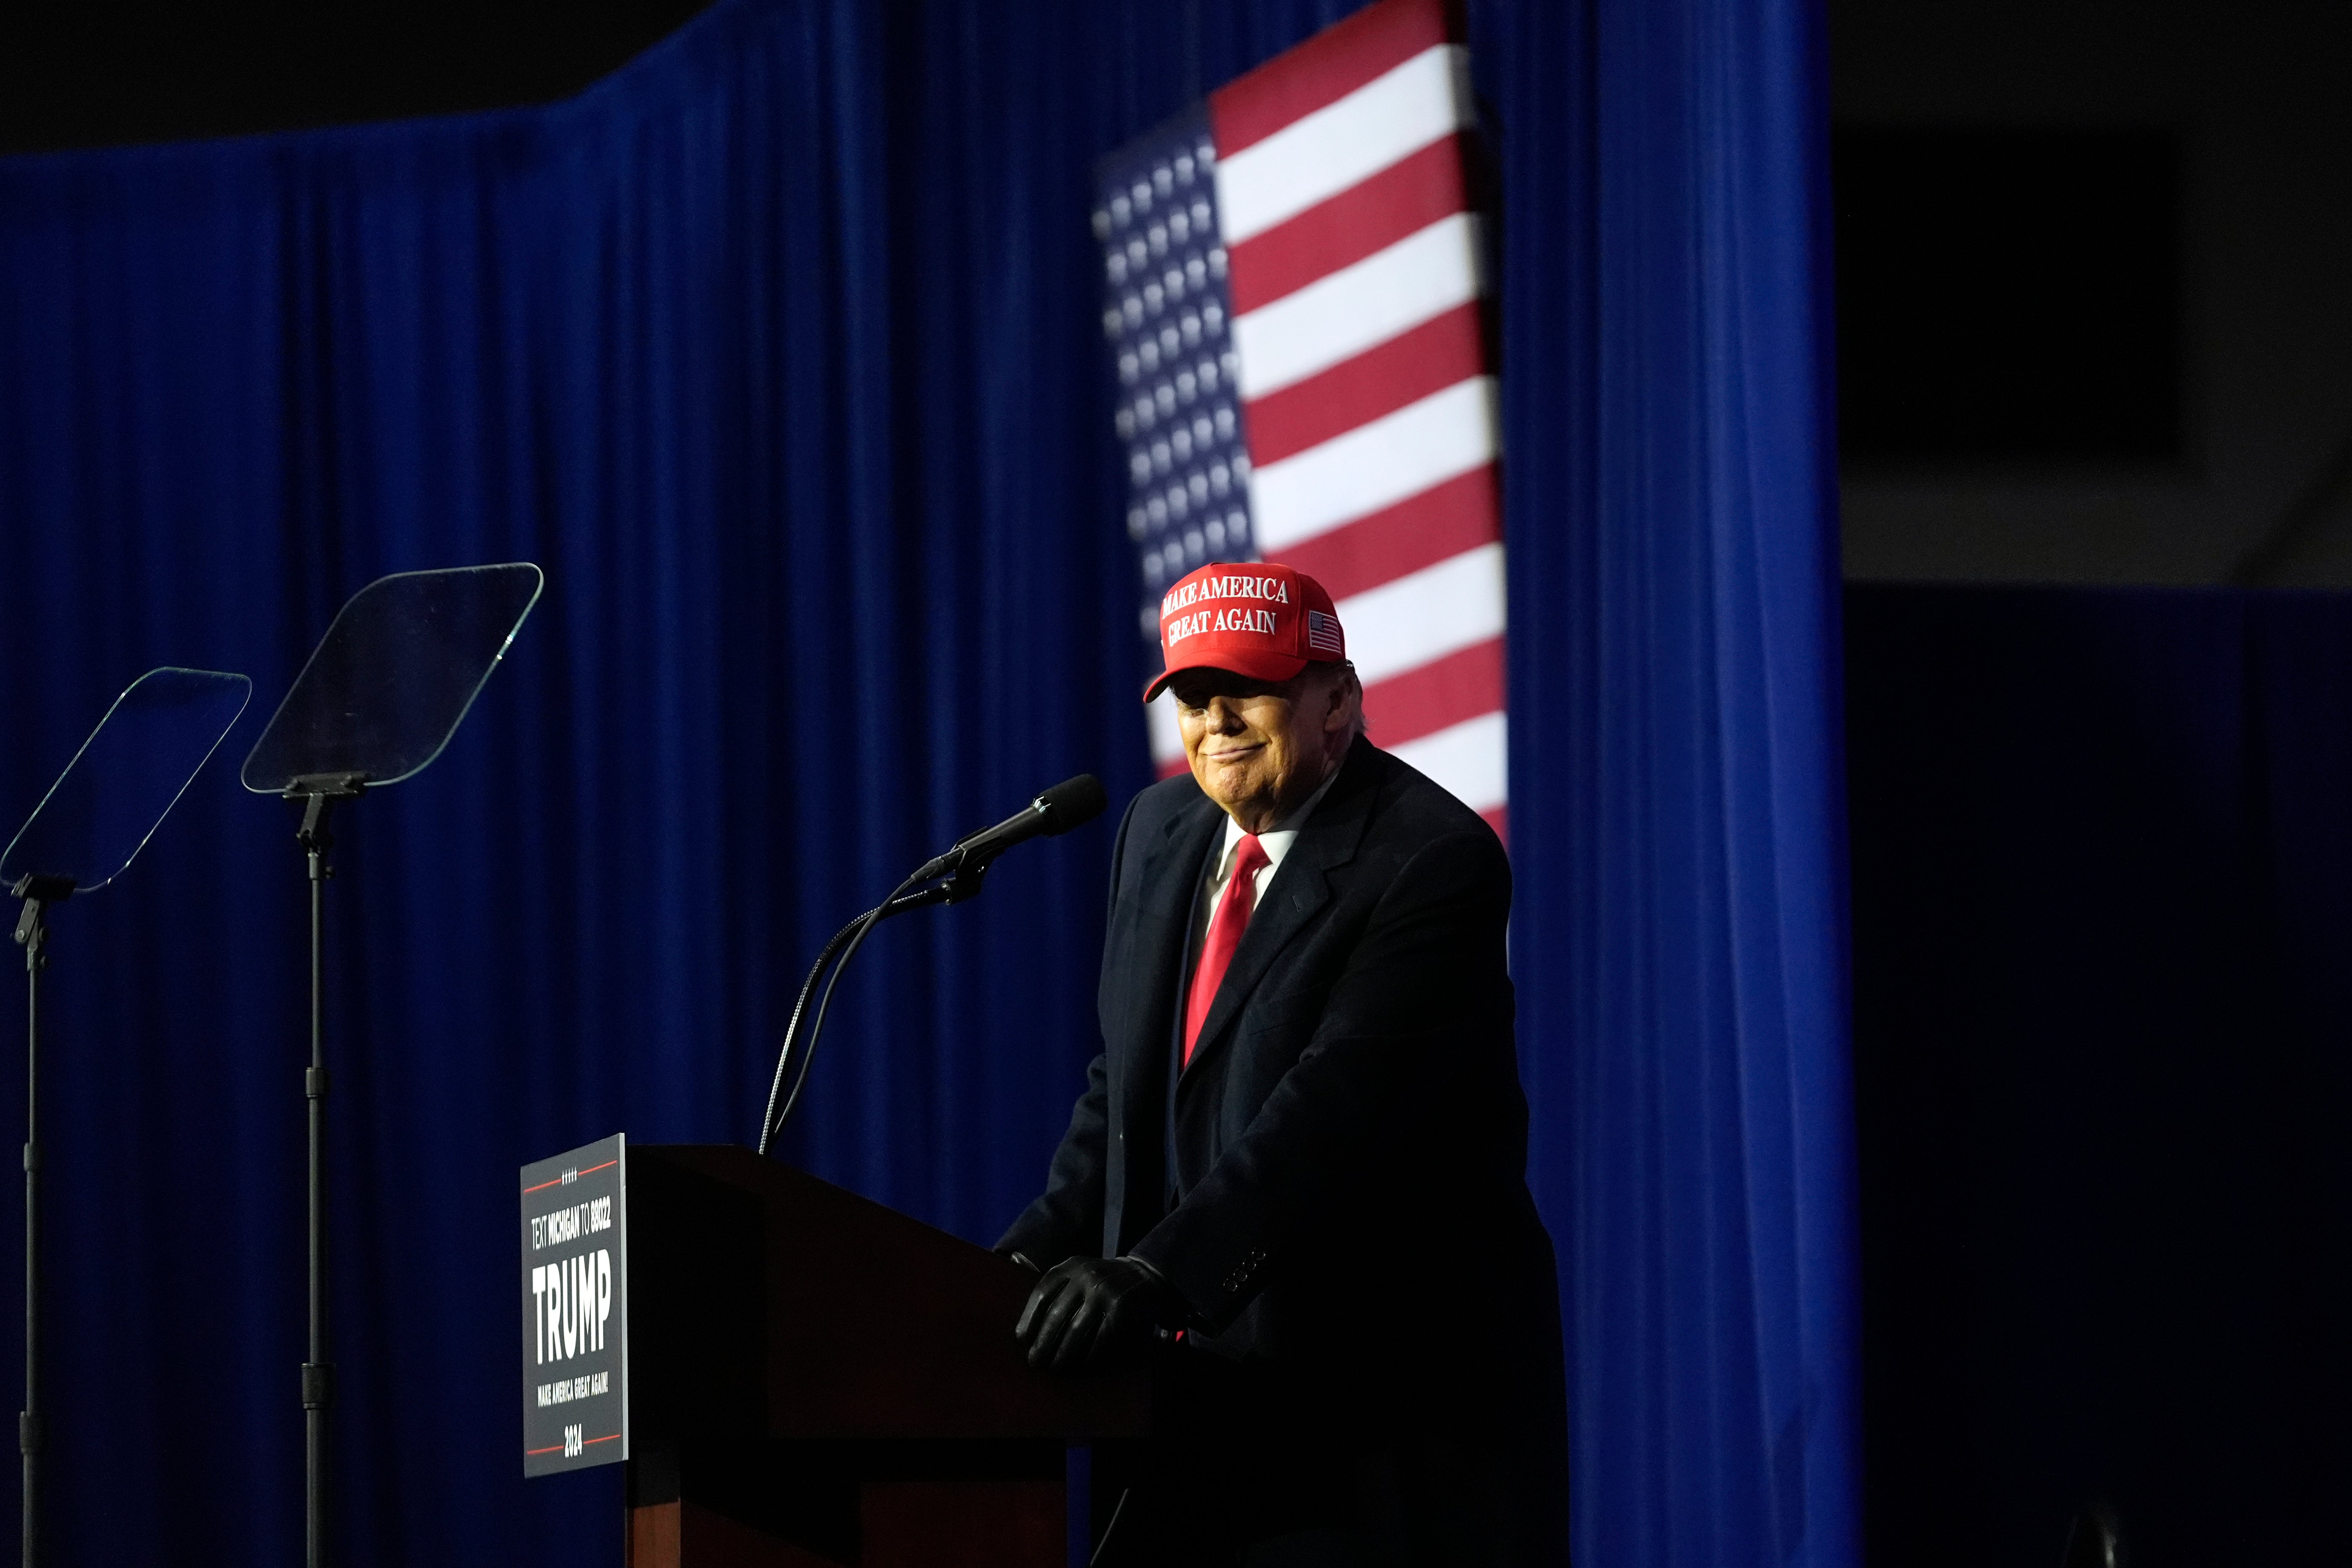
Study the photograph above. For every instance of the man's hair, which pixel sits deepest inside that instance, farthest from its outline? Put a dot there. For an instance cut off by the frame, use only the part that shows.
(1340, 671)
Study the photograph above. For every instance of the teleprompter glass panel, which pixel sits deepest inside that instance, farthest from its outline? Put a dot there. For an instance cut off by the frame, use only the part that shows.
(125, 779)
(395, 675)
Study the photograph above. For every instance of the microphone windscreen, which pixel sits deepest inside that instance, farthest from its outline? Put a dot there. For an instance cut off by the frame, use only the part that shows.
(1072, 803)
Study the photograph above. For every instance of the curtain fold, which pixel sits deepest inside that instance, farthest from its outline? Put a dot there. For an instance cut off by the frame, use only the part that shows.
(1679, 936)
(777, 349)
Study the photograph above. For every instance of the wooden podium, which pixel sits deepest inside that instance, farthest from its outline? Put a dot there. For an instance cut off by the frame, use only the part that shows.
(817, 1380)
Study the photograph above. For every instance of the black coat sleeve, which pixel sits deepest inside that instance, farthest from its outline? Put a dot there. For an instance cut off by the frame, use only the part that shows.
(1417, 1018)
(1067, 1220)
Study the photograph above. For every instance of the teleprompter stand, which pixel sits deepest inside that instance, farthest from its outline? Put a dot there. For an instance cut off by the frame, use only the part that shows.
(382, 693)
(318, 794)
(32, 934)
(85, 833)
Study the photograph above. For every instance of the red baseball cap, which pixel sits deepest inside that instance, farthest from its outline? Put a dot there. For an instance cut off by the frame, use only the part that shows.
(1258, 619)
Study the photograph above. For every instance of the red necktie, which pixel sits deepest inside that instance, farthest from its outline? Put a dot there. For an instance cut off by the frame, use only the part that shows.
(1225, 927)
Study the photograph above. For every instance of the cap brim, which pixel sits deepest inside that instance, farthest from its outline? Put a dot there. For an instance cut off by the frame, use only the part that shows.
(1257, 664)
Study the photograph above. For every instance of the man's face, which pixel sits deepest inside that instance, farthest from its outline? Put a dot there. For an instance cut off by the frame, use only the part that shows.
(1258, 748)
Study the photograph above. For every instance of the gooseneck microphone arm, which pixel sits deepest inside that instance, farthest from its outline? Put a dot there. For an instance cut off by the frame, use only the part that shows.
(952, 877)
(852, 933)
(846, 942)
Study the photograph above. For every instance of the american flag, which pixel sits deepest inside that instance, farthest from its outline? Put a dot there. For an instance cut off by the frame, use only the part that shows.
(1294, 278)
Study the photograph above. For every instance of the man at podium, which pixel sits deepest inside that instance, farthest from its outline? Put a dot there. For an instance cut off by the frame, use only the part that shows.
(1301, 1156)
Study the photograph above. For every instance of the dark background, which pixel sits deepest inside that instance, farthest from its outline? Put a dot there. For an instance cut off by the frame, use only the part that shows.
(2102, 901)
(2008, 294)
(2092, 320)
(2092, 330)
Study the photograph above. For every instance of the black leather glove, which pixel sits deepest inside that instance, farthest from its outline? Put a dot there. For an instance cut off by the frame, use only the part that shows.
(1091, 1314)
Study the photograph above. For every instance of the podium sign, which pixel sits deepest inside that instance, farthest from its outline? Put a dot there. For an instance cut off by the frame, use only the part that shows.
(576, 1310)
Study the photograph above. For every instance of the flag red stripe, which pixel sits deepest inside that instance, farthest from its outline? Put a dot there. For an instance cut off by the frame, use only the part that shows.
(1441, 693)
(1420, 530)
(1499, 819)
(1400, 200)
(1436, 354)
(1324, 70)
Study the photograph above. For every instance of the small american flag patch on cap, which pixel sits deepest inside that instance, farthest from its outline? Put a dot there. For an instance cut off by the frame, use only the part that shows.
(1322, 632)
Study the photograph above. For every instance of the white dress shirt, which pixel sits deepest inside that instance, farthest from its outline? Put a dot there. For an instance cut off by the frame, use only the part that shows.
(1275, 841)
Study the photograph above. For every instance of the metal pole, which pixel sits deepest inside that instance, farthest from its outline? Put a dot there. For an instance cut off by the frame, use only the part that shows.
(317, 1374)
(34, 932)
(318, 794)
(38, 892)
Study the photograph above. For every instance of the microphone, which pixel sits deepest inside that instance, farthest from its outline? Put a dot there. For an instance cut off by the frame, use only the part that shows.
(1070, 803)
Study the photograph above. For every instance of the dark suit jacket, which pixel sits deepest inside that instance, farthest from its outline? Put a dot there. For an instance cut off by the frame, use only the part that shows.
(1339, 1192)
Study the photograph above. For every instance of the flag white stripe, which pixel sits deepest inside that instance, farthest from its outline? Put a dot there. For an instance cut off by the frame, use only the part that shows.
(1375, 465)
(1317, 155)
(1167, 740)
(1469, 758)
(1422, 616)
(1360, 306)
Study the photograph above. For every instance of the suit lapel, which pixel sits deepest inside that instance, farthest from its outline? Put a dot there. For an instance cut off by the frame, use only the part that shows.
(1151, 961)
(1172, 873)
(1298, 894)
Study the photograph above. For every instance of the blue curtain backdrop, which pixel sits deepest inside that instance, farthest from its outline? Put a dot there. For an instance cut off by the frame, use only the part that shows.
(776, 350)
(1677, 817)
